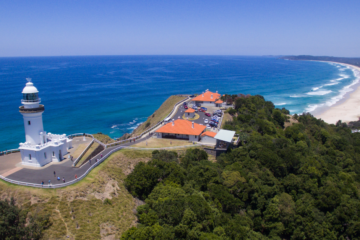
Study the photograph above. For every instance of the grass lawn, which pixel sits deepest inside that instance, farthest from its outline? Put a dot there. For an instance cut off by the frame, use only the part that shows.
(159, 114)
(162, 142)
(87, 153)
(80, 211)
(227, 117)
(103, 138)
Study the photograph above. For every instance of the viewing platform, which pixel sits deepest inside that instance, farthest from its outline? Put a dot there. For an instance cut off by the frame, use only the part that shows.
(22, 109)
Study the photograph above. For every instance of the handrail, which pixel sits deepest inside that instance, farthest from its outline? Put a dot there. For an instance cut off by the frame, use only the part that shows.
(46, 185)
(81, 154)
(126, 140)
(150, 129)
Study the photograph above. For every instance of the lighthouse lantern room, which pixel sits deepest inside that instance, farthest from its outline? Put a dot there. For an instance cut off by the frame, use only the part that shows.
(40, 147)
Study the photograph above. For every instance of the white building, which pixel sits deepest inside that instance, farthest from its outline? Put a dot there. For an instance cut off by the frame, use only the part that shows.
(207, 98)
(224, 138)
(40, 147)
(181, 129)
(208, 137)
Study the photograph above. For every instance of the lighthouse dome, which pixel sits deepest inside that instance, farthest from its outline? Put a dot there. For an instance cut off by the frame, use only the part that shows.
(29, 88)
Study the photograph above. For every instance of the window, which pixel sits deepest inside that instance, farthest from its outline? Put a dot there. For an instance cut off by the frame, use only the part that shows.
(29, 123)
(53, 153)
(44, 155)
(29, 156)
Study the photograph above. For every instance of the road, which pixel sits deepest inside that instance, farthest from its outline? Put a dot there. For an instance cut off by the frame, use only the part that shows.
(63, 170)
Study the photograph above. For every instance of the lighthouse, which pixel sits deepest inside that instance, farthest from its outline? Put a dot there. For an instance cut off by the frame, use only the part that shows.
(40, 148)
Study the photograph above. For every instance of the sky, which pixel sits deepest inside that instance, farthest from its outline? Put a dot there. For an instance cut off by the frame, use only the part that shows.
(179, 27)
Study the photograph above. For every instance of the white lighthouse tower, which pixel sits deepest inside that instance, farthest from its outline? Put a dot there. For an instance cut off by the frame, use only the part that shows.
(40, 147)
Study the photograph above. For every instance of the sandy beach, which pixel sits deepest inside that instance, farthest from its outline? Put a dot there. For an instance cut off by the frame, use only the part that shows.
(346, 110)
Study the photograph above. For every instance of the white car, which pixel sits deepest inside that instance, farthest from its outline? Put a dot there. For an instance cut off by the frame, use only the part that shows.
(206, 121)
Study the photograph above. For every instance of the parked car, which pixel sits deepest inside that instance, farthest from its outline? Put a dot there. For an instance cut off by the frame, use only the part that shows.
(185, 106)
(208, 114)
(184, 103)
(201, 110)
(204, 108)
(206, 121)
(212, 124)
(192, 96)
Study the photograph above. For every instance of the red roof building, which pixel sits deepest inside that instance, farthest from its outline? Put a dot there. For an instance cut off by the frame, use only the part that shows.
(181, 129)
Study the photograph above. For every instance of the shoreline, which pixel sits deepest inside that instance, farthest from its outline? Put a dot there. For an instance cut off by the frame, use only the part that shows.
(346, 109)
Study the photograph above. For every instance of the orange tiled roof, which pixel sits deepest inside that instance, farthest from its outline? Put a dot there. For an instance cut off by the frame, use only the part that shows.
(207, 97)
(208, 133)
(182, 126)
(190, 110)
(219, 101)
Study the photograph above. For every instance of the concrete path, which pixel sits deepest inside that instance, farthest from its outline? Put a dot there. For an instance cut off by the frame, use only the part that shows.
(62, 170)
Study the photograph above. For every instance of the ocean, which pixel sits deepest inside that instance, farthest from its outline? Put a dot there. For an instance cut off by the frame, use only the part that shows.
(114, 94)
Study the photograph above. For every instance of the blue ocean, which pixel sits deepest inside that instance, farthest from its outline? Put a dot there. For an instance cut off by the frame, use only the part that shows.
(113, 94)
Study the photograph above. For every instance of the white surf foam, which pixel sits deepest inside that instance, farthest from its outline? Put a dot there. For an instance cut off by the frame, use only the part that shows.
(319, 93)
(342, 92)
(280, 104)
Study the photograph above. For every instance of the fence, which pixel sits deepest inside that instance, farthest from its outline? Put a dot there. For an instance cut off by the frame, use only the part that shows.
(46, 185)
(150, 129)
(9, 151)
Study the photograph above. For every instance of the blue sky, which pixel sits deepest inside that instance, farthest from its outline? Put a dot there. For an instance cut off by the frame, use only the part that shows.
(252, 27)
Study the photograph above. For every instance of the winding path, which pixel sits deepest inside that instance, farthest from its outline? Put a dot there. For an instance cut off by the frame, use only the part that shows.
(63, 170)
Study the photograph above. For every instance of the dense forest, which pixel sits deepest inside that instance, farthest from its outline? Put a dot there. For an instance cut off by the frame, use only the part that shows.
(298, 182)
(353, 61)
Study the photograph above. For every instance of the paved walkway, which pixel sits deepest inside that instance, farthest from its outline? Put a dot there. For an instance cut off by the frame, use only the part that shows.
(63, 170)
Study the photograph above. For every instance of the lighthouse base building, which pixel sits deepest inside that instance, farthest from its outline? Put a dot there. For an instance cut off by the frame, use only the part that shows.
(40, 147)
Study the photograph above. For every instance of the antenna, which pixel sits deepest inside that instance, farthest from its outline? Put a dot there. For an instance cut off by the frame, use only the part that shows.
(28, 79)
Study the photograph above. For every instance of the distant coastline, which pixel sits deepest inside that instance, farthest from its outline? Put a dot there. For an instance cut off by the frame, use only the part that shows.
(345, 109)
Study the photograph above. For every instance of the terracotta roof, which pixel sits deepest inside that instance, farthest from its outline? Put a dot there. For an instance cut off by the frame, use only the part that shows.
(208, 133)
(207, 97)
(182, 126)
(219, 101)
(190, 110)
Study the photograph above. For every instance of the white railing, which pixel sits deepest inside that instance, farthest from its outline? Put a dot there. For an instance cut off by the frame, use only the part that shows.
(9, 151)
(47, 185)
(150, 129)
(60, 185)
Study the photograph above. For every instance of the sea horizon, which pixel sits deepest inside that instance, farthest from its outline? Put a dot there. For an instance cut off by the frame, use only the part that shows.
(113, 94)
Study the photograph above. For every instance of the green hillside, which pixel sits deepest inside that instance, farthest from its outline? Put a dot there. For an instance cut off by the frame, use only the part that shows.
(301, 182)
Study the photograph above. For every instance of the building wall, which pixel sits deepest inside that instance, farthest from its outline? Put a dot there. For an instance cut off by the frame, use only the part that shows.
(32, 131)
(208, 140)
(204, 104)
(194, 138)
(41, 157)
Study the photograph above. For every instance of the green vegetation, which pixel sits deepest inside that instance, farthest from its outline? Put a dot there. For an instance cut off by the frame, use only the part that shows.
(301, 182)
(159, 114)
(16, 223)
(92, 148)
(103, 138)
